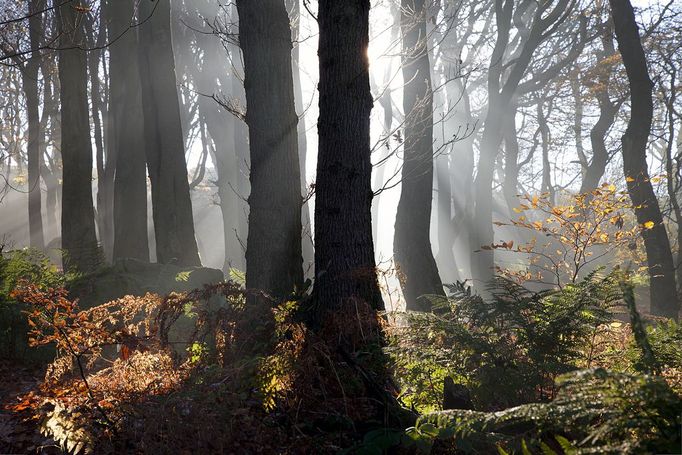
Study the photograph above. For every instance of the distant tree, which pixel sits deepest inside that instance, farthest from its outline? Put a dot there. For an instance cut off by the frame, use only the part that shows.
(273, 250)
(344, 251)
(171, 203)
(29, 77)
(536, 22)
(79, 240)
(664, 299)
(294, 8)
(105, 156)
(608, 109)
(127, 140)
(412, 242)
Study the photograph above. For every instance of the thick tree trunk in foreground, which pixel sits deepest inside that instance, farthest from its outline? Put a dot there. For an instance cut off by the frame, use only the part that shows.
(79, 241)
(172, 206)
(29, 79)
(273, 249)
(344, 251)
(125, 107)
(664, 300)
(412, 242)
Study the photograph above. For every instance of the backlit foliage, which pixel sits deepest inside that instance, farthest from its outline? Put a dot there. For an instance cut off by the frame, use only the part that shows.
(574, 238)
(526, 337)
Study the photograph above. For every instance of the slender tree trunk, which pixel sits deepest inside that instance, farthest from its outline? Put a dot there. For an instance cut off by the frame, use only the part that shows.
(171, 203)
(607, 115)
(104, 214)
(294, 8)
(273, 251)
(412, 242)
(664, 301)
(50, 172)
(79, 240)
(344, 251)
(241, 145)
(510, 186)
(127, 141)
(547, 186)
(446, 235)
(29, 75)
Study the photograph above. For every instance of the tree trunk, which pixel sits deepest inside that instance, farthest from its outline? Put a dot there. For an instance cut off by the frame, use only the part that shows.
(128, 139)
(171, 203)
(412, 242)
(273, 250)
(607, 115)
(664, 301)
(547, 186)
(510, 186)
(294, 8)
(344, 251)
(29, 76)
(79, 241)
(105, 176)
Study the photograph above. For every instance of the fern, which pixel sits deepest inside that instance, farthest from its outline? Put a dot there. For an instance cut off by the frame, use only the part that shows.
(596, 411)
(524, 337)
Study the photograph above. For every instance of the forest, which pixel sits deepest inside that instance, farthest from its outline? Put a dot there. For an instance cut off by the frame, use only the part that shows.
(341, 226)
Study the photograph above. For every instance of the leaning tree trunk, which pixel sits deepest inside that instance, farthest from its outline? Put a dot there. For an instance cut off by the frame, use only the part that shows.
(171, 203)
(125, 108)
(412, 242)
(273, 249)
(664, 300)
(29, 76)
(344, 251)
(79, 241)
(607, 114)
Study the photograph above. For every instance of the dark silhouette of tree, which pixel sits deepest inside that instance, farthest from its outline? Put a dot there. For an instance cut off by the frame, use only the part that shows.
(79, 240)
(608, 110)
(273, 251)
(664, 300)
(412, 242)
(171, 204)
(29, 77)
(344, 251)
(127, 140)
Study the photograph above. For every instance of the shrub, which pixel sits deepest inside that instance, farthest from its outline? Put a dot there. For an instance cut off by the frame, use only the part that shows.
(508, 349)
(17, 265)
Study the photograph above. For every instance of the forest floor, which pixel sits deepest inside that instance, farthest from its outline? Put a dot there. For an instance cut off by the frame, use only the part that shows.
(17, 436)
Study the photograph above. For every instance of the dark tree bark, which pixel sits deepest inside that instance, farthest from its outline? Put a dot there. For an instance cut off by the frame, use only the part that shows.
(79, 240)
(29, 76)
(127, 141)
(607, 114)
(412, 242)
(105, 176)
(104, 215)
(664, 301)
(344, 251)
(273, 250)
(171, 203)
(49, 170)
